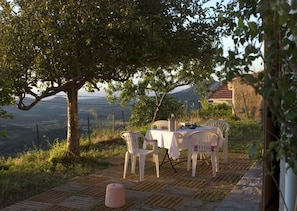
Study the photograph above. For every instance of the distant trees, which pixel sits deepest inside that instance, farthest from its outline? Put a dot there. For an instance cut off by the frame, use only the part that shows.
(159, 82)
(143, 110)
(47, 47)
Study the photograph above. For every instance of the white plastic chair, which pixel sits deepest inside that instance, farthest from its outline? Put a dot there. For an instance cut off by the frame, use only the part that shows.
(181, 143)
(132, 140)
(224, 127)
(160, 124)
(204, 142)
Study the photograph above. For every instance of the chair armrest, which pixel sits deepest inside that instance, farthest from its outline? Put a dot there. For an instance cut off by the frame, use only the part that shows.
(153, 142)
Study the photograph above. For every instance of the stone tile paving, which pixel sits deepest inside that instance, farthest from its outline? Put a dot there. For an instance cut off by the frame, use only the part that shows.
(236, 187)
(246, 194)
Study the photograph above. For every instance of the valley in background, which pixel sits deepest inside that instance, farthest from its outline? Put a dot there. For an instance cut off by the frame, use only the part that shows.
(47, 121)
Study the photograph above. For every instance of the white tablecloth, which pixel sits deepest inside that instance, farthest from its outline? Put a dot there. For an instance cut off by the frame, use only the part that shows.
(169, 140)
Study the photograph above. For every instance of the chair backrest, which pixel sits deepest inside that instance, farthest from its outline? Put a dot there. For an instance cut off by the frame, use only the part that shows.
(132, 140)
(223, 125)
(203, 141)
(160, 124)
(181, 142)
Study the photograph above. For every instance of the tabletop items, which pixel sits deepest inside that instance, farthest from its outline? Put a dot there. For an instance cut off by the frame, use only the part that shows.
(188, 125)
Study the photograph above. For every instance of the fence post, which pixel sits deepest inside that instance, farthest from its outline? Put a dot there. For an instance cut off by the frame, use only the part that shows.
(89, 136)
(113, 122)
(38, 140)
(123, 118)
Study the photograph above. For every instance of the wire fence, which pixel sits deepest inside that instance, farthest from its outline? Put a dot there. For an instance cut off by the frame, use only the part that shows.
(42, 134)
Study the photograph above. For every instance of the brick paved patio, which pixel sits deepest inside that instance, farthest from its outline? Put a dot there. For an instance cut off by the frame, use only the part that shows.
(172, 191)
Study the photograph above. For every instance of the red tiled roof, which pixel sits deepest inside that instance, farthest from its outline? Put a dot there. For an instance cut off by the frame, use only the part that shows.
(222, 92)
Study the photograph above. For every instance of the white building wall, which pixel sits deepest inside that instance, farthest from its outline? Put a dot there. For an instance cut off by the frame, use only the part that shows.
(282, 184)
(288, 188)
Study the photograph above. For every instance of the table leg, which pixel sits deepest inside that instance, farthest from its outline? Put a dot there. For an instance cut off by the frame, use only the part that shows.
(163, 161)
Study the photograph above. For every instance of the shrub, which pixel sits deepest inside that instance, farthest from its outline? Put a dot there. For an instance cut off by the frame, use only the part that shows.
(143, 110)
(210, 111)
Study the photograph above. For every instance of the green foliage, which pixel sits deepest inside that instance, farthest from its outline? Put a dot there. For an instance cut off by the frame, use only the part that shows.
(63, 44)
(29, 174)
(195, 42)
(210, 111)
(243, 136)
(47, 47)
(250, 24)
(6, 98)
(143, 110)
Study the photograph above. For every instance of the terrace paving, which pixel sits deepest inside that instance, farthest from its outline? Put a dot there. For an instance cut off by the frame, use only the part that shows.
(237, 186)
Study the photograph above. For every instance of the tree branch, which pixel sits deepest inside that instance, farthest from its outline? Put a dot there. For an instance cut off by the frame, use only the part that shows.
(77, 82)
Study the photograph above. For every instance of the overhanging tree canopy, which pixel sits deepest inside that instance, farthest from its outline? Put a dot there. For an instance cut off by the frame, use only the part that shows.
(49, 47)
(197, 43)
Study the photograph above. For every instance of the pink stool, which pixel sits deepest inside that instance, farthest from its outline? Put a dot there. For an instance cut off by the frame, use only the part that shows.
(115, 195)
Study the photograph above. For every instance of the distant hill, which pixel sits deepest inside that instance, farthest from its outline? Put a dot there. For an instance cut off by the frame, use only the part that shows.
(188, 96)
(47, 120)
(95, 107)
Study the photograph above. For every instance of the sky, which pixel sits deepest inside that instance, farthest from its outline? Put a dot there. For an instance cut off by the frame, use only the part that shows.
(257, 65)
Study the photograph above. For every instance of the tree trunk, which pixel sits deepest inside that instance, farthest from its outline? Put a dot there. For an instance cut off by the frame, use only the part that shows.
(156, 113)
(158, 106)
(271, 170)
(72, 118)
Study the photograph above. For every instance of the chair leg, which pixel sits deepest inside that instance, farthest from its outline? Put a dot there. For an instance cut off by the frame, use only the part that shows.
(189, 160)
(194, 163)
(156, 159)
(141, 166)
(217, 159)
(126, 164)
(202, 156)
(225, 151)
(213, 163)
(217, 163)
(133, 164)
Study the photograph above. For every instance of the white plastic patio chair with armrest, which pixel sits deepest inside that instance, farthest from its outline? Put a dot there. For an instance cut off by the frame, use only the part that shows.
(205, 142)
(133, 140)
(224, 127)
(160, 124)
